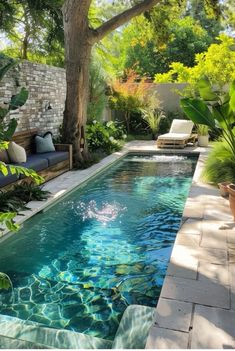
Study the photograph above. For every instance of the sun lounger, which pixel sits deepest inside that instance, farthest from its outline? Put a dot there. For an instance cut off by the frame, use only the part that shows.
(179, 135)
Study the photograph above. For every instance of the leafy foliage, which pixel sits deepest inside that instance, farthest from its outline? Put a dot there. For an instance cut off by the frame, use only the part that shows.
(15, 200)
(153, 119)
(7, 218)
(213, 109)
(97, 92)
(220, 164)
(130, 95)
(34, 29)
(9, 209)
(105, 137)
(217, 63)
(5, 281)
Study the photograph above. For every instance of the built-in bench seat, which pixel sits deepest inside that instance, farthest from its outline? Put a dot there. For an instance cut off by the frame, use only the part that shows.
(48, 165)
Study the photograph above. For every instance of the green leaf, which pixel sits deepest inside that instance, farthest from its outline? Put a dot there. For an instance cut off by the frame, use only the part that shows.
(11, 129)
(5, 282)
(19, 100)
(3, 168)
(6, 68)
(232, 96)
(197, 111)
(3, 112)
(205, 90)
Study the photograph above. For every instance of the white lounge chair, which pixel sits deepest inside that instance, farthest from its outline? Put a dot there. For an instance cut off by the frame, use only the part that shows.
(179, 135)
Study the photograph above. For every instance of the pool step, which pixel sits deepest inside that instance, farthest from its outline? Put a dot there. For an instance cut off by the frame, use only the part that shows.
(10, 343)
(134, 327)
(132, 333)
(52, 338)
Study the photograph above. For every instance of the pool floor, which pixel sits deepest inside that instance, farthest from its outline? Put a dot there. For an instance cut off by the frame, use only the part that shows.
(104, 247)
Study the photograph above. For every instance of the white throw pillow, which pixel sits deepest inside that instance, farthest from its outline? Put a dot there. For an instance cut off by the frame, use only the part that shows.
(17, 153)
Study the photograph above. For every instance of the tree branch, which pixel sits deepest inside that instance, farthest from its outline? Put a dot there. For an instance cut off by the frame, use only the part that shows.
(122, 18)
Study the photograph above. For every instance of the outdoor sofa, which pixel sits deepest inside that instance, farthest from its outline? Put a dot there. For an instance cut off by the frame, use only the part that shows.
(48, 164)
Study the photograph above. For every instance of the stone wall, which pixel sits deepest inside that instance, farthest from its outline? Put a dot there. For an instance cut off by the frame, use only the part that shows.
(46, 86)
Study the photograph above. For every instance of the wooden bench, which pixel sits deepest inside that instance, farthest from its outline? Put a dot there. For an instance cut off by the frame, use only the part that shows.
(26, 140)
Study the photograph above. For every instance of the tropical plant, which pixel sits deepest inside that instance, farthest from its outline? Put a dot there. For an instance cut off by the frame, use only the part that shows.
(27, 192)
(103, 137)
(220, 164)
(202, 129)
(213, 109)
(14, 200)
(7, 130)
(153, 119)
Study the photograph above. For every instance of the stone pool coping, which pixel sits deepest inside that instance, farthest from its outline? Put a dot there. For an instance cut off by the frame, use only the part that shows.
(196, 308)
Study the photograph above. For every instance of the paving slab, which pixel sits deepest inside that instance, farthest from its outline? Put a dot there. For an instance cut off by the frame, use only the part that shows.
(207, 254)
(190, 226)
(232, 283)
(213, 328)
(182, 264)
(160, 338)
(213, 234)
(188, 240)
(193, 209)
(201, 292)
(218, 212)
(173, 314)
(213, 272)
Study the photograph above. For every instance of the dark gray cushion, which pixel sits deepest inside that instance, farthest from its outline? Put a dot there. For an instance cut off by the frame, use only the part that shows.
(5, 180)
(55, 157)
(35, 162)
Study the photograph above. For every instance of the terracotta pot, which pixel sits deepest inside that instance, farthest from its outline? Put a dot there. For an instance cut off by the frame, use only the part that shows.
(231, 190)
(223, 187)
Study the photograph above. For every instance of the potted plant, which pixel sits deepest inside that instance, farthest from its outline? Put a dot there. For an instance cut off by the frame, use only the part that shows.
(203, 136)
(231, 190)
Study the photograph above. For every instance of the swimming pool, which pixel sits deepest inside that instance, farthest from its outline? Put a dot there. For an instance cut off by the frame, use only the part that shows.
(105, 246)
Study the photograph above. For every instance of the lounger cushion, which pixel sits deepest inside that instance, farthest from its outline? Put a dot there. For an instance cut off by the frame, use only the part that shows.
(181, 126)
(35, 162)
(5, 180)
(174, 136)
(55, 157)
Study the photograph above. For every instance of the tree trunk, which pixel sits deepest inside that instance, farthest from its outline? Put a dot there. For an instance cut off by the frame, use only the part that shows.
(78, 53)
(79, 39)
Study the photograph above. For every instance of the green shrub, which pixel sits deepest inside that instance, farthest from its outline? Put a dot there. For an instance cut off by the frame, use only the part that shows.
(15, 199)
(220, 165)
(104, 137)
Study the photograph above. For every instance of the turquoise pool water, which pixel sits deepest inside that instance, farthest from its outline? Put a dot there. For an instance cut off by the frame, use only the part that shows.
(105, 246)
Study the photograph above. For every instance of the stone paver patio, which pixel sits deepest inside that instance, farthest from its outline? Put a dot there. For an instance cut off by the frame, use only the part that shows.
(196, 308)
